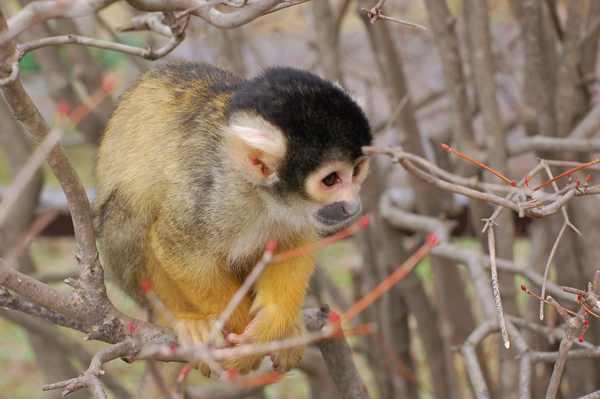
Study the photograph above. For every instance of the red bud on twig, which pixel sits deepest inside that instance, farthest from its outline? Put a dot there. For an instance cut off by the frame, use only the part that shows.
(433, 239)
(364, 221)
(146, 285)
(63, 108)
(271, 245)
(109, 83)
(333, 317)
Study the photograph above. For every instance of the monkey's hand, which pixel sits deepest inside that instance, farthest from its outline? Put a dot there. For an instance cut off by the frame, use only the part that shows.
(196, 331)
(266, 328)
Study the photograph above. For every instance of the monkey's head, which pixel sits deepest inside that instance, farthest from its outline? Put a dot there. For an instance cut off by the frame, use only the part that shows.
(299, 138)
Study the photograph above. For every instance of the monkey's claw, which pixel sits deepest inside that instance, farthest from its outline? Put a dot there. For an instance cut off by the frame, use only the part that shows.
(195, 332)
(286, 359)
(261, 330)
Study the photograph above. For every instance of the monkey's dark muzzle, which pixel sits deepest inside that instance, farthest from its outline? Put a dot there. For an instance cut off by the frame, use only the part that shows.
(338, 212)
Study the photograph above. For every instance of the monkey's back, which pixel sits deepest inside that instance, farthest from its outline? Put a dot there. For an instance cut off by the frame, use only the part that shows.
(162, 138)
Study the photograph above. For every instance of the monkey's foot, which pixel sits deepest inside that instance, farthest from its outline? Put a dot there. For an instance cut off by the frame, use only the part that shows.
(261, 330)
(196, 331)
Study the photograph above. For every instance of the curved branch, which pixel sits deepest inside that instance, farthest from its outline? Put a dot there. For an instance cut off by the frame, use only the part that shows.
(38, 11)
(146, 53)
(397, 155)
(9, 301)
(91, 377)
(237, 18)
(14, 74)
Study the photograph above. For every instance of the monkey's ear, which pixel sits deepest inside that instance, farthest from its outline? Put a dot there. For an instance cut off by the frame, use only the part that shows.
(258, 147)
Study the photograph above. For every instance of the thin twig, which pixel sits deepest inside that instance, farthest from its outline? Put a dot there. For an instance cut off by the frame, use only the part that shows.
(375, 13)
(146, 53)
(241, 292)
(27, 237)
(537, 169)
(496, 287)
(547, 269)
(396, 113)
(468, 158)
(595, 161)
(90, 377)
(391, 280)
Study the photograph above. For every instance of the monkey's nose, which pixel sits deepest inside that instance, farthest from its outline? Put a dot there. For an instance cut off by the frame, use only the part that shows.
(338, 212)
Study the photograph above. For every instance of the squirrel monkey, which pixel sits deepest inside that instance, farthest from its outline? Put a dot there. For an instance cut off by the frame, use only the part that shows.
(199, 168)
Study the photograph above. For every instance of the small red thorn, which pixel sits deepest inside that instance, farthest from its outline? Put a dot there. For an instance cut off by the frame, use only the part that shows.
(131, 327)
(579, 297)
(445, 147)
(586, 323)
(185, 370)
(173, 348)
(433, 239)
(146, 285)
(569, 175)
(581, 339)
(523, 288)
(108, 84)
(364, 221)
(62, 108)
(588, 178)
(232, 374)
(271, 245)
(333, 317)
(577, 183)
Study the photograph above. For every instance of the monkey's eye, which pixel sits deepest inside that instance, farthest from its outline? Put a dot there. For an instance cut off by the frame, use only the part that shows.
(356, 170)
(330, 179)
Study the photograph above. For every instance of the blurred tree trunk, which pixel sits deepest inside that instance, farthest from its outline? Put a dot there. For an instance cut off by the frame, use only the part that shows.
(456, 309)
(327, 40)
(588, 55)
(443, 24)
(484, 74)
(227, 46)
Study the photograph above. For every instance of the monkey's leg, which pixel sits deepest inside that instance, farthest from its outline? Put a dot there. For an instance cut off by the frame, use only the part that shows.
(280, 292)
(196, 305)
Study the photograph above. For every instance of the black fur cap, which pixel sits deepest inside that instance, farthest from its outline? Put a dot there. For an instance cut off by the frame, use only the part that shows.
(320, 121)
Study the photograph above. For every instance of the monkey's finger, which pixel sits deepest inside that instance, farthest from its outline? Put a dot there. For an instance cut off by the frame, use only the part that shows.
(236, 339)
(216, 371)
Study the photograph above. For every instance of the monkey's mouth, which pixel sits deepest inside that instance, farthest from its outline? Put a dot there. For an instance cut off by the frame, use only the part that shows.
(338, 213)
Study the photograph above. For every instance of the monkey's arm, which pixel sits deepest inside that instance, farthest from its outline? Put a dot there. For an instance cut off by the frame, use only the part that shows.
(280, 292)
